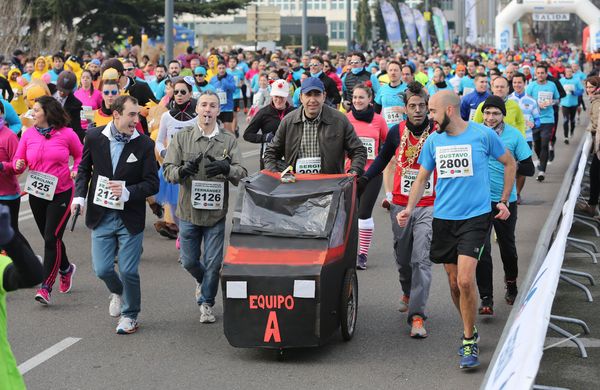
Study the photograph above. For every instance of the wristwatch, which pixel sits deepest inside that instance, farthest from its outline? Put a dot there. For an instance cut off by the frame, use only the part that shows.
(505, 202)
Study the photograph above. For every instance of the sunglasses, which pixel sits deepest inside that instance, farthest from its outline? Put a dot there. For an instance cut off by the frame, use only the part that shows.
(180, 91)
(355, 62)
(314, 64)
(129, 69)
(111, 92)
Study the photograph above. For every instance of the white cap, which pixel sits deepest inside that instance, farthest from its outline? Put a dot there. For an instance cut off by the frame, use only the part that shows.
(280, 88)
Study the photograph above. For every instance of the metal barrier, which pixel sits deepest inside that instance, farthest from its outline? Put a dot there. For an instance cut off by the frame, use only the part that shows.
(515, 363)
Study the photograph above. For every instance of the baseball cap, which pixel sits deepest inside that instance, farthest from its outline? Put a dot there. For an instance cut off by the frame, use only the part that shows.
(200, 70)
(110, 74)
(95, 61)
(280, 88)
(312, 84)
(494, 101)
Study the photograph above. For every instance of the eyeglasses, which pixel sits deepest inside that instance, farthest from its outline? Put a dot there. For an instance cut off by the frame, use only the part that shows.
(113, 92)
(129, 69)
(355, 62)
(314, 64)
(180, 91)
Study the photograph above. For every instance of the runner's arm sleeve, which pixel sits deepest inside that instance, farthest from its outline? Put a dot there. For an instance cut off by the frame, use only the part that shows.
(385, 154)
(464, 109)
(377, 107)
(26, 270)
(161, 137)
(526, 167)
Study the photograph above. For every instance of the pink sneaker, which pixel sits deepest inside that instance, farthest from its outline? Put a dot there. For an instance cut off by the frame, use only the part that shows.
(66, 280)
(43, 296)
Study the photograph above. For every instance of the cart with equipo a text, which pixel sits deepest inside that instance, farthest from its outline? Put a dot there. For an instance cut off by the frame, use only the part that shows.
(289, 276)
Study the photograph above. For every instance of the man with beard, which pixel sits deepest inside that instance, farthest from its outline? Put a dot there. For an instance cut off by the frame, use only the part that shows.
(174, 69)
(459, 152)
(494, 114)
(411, 243)
(514, 115)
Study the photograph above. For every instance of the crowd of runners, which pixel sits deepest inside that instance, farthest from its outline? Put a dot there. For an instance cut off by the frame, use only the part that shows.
(451, 138)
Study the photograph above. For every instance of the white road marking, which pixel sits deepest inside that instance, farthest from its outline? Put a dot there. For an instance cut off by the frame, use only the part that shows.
(46, 355)
(250, 153)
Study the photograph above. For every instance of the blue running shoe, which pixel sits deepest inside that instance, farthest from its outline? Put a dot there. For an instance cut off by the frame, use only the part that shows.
(475, 336)
(470, 358)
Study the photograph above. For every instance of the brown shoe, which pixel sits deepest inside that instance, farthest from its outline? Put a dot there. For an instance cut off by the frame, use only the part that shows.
(157, 210)
(169, 230)
(159, 225)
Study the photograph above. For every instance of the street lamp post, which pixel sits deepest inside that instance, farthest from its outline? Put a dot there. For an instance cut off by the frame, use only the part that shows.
(349, 24)
(168, 30)
(304, 27)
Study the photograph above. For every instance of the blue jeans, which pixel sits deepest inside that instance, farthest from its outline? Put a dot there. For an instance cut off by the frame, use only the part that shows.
(112, 235)
(205, 270)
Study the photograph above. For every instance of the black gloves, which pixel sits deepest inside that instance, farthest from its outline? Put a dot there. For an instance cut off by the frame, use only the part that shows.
(190, 168)
(216, 167)
(6, 230)
(361, 185)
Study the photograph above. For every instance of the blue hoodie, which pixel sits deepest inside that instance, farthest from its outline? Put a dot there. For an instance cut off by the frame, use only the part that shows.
(470, 102)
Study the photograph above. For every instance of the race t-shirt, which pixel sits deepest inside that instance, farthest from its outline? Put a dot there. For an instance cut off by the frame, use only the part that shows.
(517, 145)
(461, 162)
(392, 104)
(10, 378)
(544, 93)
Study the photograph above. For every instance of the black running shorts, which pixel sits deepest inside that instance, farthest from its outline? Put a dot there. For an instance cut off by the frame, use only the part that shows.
(226, 116)
(452, 238)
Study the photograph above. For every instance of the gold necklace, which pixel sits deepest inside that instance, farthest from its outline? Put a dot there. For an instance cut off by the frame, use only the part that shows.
(412, 152)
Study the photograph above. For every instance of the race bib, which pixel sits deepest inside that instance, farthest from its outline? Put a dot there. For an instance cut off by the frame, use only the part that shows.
(222, 97)
(208, 195)
(472, 113)
(467, 91)
(408, 178)
(41, 185)
(454, 161)
(369, 144)
(308, 165)
(569, 88)
(104, 197)
(393, 115)
(544, 97)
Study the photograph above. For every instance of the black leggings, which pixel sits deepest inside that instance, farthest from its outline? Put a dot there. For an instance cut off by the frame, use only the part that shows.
(14, 206)
(51, 218)
(369, 197)
(569, 114)
(244, 97)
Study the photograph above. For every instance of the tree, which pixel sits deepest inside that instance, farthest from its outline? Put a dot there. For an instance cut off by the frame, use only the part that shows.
(379, 21)
(364, 24)
(112, 19)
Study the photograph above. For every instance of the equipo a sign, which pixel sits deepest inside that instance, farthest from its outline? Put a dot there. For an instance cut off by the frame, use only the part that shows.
(551, 17)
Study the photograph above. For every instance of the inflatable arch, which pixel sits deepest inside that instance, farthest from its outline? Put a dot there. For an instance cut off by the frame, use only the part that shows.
(587, 11)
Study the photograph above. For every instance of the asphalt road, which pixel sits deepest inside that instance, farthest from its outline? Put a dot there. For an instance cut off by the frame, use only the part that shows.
(172, 350)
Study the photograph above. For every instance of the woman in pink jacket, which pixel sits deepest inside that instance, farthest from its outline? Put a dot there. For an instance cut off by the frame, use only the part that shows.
(88, 95)
(10, 193)
(45, 149)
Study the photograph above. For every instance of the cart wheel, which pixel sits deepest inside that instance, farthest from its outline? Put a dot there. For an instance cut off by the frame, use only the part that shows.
(349, 304)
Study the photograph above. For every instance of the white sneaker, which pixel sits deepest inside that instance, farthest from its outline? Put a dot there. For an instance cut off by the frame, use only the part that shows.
(114, 309)
(206, 315)
(198, 292)
(127, 325)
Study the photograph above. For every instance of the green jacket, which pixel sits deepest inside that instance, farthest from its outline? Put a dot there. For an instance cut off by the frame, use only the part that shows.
(187, 145)
(514, 115)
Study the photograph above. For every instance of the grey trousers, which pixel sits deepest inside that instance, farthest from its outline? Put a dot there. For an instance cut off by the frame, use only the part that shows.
(411, 251)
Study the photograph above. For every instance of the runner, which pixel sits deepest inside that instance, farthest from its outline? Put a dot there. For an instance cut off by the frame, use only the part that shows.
(461, 215)
(267, 119)
(203, 159)
(438, 82)
(569, 104)
(412, 242)
(494, 112)
(546, 95)
(315, 138)
(372, 131)
(116, 190)
(470, 101)
(45, 150)
(514, 115)
(531, 114)
(224, 84)
(19, 268)
(10, 190)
